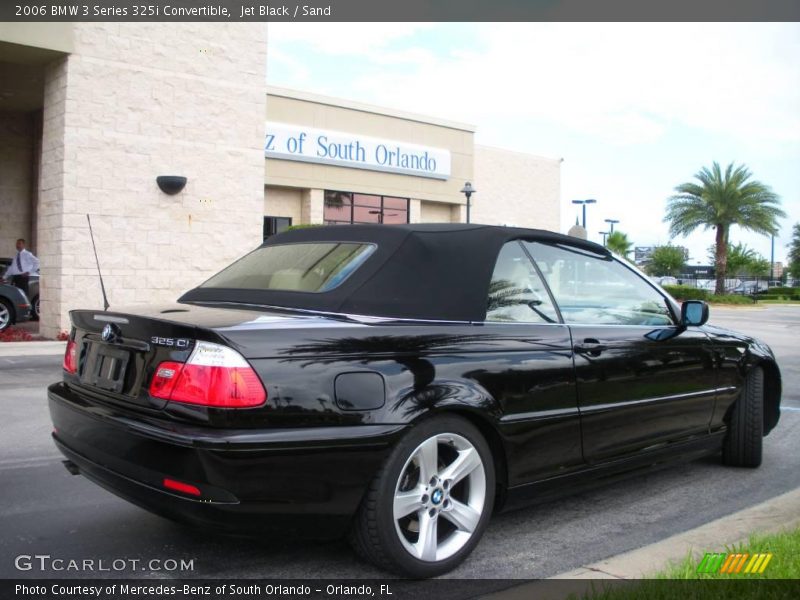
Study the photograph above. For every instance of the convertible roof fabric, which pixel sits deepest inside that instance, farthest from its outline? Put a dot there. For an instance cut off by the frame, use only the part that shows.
(420, 271)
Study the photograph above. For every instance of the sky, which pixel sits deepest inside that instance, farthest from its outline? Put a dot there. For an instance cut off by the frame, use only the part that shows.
(634, 109)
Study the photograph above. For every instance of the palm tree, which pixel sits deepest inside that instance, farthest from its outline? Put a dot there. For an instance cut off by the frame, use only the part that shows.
(619, 243)
(719, 201)
(794, 252)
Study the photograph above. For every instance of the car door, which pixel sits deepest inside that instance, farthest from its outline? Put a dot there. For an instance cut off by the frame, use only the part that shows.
(531, 373)
(642, 380)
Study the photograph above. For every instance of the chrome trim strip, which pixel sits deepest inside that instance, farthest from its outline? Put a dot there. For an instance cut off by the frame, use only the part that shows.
(556, 413)
(674, 397)
(111, 319)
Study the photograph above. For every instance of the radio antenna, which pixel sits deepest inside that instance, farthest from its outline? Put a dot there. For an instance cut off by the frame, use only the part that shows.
(97, 262)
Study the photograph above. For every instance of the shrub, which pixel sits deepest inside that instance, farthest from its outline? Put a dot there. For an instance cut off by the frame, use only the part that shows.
(303, 226)
(731, 299)
(15, 334)
(687, 292)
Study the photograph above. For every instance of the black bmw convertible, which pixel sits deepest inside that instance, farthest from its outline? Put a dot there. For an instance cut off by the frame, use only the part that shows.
(398, 384)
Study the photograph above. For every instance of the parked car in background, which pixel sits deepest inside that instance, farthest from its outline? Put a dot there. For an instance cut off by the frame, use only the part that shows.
(668, 280)
(33, 288)
(400, 383)
(14, 306)
(747, 288)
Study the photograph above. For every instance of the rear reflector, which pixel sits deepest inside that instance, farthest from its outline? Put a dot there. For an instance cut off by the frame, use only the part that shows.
(179, 486)
(70, 357)
(214, 375)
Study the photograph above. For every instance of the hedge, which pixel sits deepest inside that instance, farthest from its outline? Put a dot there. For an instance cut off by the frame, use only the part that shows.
(687, 292)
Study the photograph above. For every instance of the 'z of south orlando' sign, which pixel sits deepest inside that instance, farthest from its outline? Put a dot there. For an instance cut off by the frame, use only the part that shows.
(308, 144)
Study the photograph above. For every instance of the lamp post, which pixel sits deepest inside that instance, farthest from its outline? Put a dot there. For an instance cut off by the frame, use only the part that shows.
(584, 203)
(468, 190)
(772, 259)
(604, 234)
(612, 222)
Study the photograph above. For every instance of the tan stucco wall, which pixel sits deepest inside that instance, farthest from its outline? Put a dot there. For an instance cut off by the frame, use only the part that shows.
(436, 212)
(298, 108)
(284, 202)
(16, 171)
(132, 102)
(49, 36)
(516, 189)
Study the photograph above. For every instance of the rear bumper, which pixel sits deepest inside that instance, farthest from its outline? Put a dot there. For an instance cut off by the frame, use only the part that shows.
(306, 482)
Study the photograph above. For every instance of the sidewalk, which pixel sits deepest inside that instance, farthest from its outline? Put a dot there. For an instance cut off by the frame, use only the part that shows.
(779, 513)
(31, 348)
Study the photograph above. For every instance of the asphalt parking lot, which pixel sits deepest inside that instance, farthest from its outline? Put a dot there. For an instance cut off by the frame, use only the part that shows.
(45, 511)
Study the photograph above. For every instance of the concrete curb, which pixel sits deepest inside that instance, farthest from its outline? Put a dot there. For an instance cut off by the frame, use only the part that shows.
(8, 349)
(779, 513)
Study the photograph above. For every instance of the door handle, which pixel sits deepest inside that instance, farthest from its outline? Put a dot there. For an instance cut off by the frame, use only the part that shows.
(590, 346)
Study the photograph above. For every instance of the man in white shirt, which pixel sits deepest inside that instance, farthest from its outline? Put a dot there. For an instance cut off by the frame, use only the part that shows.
(21, 268)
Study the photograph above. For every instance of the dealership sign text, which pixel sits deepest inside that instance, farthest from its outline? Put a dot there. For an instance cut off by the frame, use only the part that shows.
(296, 142)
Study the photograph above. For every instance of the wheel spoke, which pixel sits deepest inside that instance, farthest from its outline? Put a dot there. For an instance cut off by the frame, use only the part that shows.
(467, 461)
(428, 539)
(462, 516)
(428, 455)
(407, 502)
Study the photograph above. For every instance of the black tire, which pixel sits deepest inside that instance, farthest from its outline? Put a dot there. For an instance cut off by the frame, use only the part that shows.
(7, 314)
(35, 308)
(743, 444)
(376, 536)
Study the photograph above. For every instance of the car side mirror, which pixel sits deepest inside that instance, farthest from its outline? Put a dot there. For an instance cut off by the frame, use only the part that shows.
(694, 313)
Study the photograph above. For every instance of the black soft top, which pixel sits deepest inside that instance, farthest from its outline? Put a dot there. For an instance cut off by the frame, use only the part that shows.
(420, 271)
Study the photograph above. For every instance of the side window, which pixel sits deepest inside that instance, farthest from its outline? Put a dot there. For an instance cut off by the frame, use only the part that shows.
(516, 293)
(597, 290)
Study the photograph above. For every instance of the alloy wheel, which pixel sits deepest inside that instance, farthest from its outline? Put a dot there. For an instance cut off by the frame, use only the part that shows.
(439, 497)
(5, 316)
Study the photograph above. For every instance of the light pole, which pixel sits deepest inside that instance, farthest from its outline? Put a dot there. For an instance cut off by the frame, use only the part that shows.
(468, 190)
(772, 259)
(584, 203)
(604, 234)
(612, 222)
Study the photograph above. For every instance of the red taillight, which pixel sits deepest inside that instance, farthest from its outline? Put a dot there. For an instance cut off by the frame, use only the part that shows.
(214, 375)
(70, 364)
(164, 379)
(179, 486)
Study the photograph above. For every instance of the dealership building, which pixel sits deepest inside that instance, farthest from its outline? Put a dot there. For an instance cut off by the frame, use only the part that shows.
(93, 116)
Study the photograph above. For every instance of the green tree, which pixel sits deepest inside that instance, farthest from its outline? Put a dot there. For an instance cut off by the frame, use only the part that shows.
(619, 243)
(742, 260)
(793, 259)
(667, 260)
(720, 200)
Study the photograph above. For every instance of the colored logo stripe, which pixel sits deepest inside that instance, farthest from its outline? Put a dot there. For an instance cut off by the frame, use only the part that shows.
(711, 563)
(721, 562)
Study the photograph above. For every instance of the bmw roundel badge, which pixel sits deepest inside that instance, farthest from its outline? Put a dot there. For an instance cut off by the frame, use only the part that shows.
(109, 333)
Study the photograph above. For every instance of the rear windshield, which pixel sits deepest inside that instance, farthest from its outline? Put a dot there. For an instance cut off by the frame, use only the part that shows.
(310, 267)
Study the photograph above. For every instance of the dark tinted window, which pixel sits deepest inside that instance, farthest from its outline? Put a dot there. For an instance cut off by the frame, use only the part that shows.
(311, 267)
(516, 292)
(594, 289)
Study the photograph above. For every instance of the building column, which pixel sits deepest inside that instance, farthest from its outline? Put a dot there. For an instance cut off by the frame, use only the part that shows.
(458, 213)
(414, 211)
(50, 227)
(121, 110)
(313, 206)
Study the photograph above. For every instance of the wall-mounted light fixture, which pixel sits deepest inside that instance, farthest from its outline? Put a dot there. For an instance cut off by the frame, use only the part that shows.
(171, 184)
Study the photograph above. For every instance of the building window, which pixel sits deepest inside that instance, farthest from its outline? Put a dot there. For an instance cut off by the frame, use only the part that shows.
(273, 225)
(348, 207)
